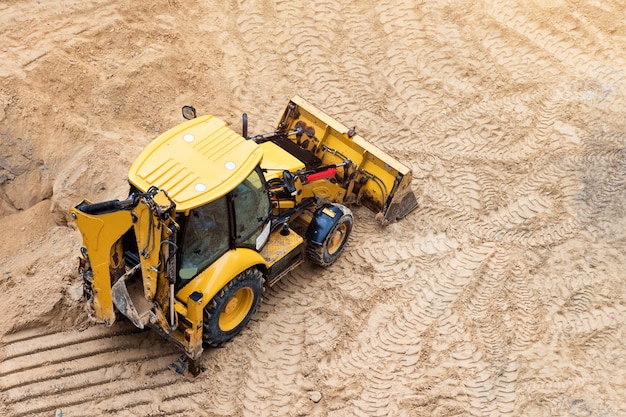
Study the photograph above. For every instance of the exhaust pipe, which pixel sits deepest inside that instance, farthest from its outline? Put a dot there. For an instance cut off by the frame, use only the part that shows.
(244, 130)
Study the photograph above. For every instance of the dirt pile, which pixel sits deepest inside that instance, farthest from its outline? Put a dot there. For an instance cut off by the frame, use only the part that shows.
(503, 294)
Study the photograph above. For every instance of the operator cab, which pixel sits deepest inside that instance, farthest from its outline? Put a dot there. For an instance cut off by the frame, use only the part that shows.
(213, 176)
(238, 219)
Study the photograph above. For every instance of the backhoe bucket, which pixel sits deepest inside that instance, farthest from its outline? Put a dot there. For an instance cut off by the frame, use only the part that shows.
(129, 299)
(369, 175)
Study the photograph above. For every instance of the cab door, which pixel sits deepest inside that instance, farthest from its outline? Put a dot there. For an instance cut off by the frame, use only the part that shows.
(206, 237)
(252, 211)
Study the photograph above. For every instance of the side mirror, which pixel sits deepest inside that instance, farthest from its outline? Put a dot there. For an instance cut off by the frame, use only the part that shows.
(189, 112)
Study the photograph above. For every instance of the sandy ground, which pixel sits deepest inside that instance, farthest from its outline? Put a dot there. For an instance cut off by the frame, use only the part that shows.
(503, 294)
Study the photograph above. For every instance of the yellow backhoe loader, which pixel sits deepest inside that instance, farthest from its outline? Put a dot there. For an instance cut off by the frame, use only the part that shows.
(213, 217)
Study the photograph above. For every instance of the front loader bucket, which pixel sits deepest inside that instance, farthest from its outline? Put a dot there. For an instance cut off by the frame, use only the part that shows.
(372, 177)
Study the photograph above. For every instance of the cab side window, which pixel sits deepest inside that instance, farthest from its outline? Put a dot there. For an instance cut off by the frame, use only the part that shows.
(207, 237)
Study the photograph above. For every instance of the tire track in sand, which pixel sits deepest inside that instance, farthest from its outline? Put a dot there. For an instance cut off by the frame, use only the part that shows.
(556, 42)
(399, 339)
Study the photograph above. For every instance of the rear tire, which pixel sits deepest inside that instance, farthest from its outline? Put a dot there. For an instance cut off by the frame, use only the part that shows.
(232, 307)
(332, 247)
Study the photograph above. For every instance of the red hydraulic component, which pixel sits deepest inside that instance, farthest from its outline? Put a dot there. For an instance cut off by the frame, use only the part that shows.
(322, 175)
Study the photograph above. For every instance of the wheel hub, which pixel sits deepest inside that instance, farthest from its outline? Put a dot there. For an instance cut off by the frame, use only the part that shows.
(337, 238)
(236, 309)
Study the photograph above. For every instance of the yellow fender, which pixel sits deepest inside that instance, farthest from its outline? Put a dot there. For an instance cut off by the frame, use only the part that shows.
(210, 281)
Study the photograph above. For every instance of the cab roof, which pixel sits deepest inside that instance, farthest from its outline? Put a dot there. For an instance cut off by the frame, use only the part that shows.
(195, 162)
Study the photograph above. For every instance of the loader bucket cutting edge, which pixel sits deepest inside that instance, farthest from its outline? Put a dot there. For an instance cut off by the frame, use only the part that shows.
(402, 203)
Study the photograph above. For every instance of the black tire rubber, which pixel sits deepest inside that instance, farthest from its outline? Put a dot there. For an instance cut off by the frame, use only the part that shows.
(245, 289)
(332, 247)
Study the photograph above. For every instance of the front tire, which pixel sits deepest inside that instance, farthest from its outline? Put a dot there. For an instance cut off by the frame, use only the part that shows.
(333, 245)
(232, 307)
